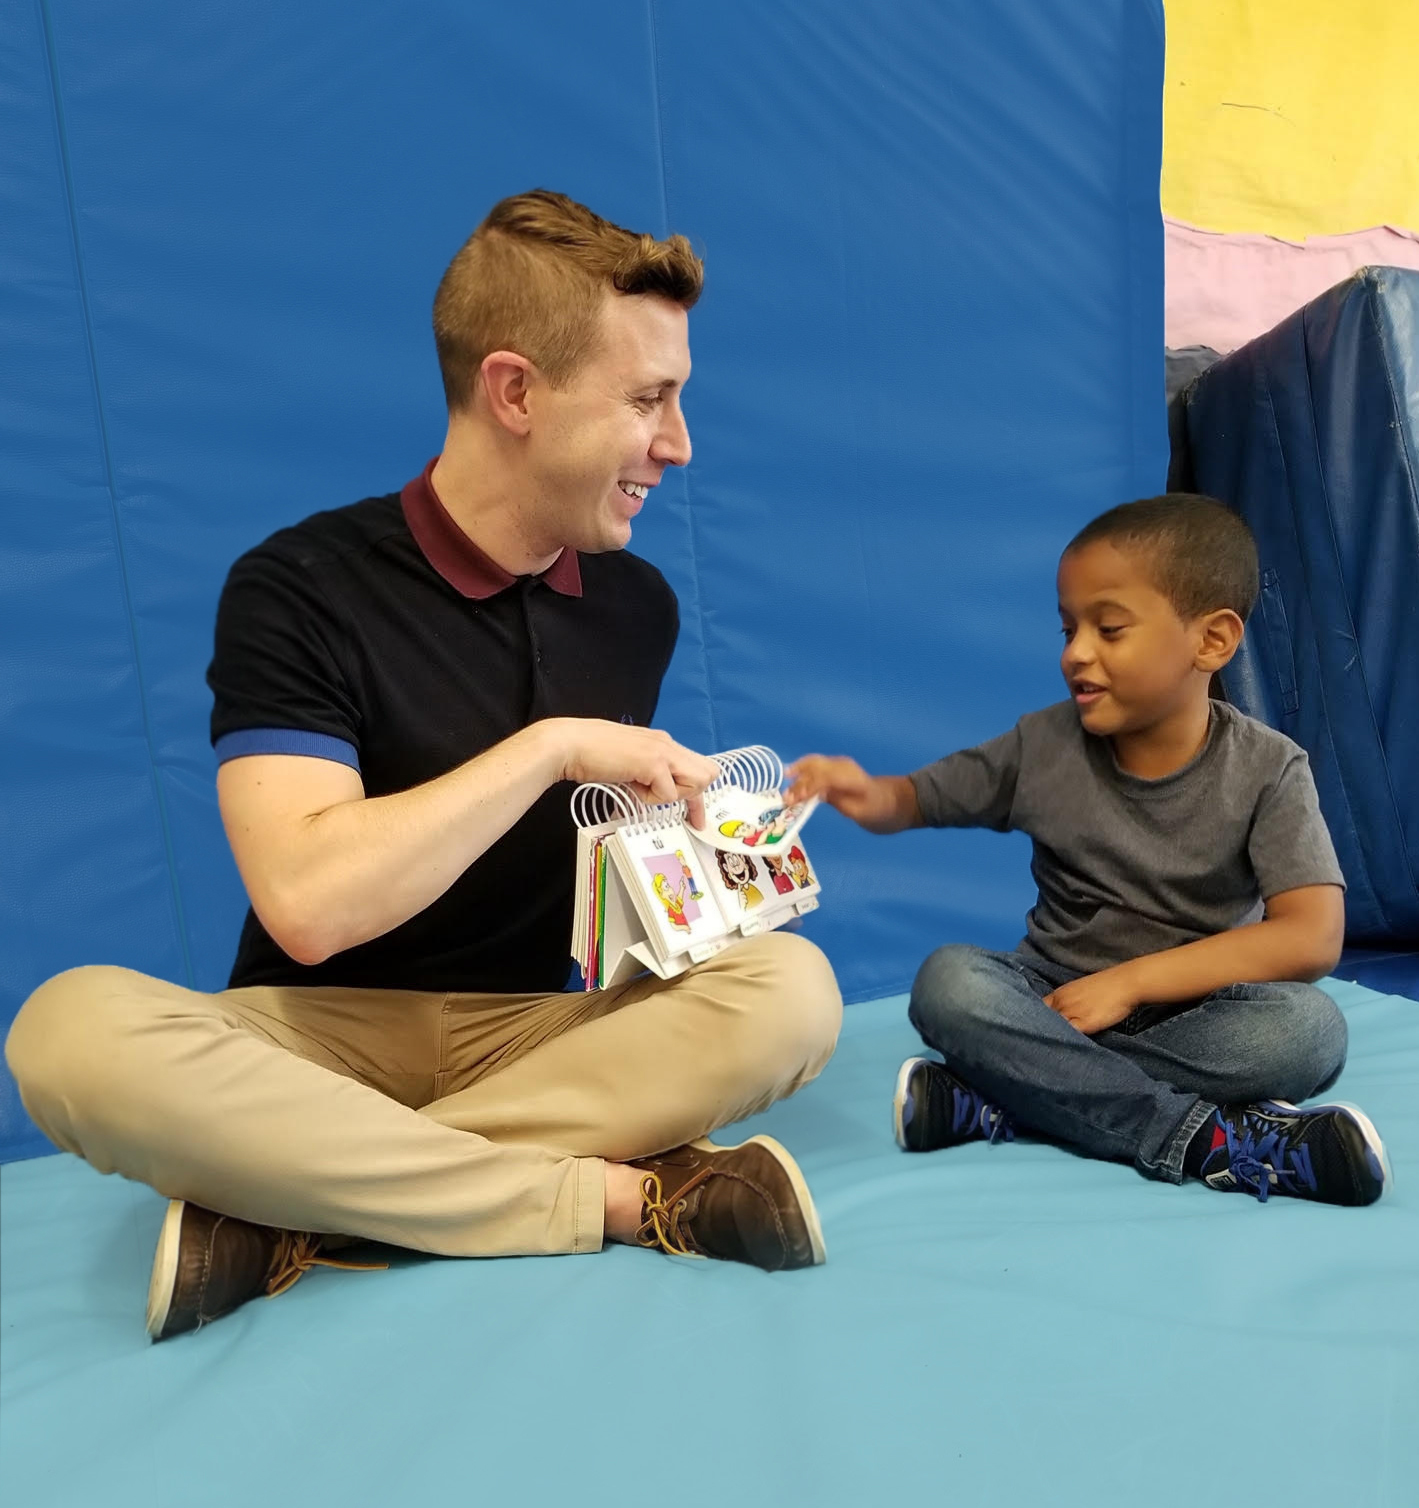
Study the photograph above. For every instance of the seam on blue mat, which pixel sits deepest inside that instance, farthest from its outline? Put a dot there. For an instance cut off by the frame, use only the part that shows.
(1372, 309)
(1127, 146)
(1320, 686)
(715, 742)
(61, 128)
(1353, 633)
(1140, 225)
(1383, 334)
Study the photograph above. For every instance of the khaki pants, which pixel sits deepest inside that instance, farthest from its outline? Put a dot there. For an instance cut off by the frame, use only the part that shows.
(471, 1125)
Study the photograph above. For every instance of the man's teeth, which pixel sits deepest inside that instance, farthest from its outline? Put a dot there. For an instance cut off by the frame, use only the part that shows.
(634, 489)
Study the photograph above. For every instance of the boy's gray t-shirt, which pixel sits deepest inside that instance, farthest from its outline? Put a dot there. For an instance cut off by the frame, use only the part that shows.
(1127, 866)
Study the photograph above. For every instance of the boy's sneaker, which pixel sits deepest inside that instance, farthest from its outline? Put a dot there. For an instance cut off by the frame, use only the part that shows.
(932, 1108)
(1330, 1153)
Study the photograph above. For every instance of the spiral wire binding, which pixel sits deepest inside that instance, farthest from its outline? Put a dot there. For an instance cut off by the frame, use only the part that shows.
(754, 768)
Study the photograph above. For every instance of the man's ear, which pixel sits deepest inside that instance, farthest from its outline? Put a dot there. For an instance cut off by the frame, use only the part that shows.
(1219, 636)
(506, 378)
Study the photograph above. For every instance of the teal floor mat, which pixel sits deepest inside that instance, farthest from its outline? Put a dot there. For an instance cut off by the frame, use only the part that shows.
(1006, 1325)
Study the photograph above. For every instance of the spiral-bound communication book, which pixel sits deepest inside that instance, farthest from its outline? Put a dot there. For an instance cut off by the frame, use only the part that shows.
(654, 893)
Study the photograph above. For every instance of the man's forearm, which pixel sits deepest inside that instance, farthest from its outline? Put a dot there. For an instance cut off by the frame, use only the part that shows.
(1274, 949)
(357, 869)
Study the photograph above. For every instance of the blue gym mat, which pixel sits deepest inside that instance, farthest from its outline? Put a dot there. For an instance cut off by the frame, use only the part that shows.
(1008, 1325)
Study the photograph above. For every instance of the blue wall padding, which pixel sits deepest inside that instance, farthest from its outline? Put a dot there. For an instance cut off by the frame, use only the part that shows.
(929, 349)
(1389, 970)
(1311, 432)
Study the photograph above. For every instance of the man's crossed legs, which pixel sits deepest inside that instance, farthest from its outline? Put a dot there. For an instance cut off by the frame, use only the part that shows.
(467, 1125)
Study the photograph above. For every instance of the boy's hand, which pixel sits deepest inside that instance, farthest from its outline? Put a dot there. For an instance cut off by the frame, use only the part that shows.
(1097, 1001)
(881, 804)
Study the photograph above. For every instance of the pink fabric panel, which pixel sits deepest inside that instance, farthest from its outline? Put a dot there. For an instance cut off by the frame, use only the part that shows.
(1222, 290)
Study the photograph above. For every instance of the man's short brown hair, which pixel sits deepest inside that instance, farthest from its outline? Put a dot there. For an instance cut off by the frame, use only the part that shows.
(1201, 556)
(532, 278)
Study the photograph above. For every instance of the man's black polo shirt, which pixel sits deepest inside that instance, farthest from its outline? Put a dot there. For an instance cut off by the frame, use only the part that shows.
(380, 636)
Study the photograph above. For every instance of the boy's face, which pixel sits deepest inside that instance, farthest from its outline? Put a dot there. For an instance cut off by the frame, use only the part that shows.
(1129, 661)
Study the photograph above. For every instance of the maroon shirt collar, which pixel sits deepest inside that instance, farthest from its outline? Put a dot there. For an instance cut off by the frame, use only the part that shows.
(458, 560)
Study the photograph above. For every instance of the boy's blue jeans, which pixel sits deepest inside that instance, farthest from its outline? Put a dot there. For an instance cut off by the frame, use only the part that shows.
(1138, 1091)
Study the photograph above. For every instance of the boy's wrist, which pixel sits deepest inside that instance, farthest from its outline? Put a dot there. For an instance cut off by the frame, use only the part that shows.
(1133, 980)
(898, 805)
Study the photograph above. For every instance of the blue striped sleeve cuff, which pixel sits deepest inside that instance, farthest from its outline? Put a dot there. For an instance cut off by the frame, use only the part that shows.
(285, 741)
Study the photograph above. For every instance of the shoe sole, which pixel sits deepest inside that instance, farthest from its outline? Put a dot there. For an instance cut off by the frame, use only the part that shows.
(164, 1279)
(785, 1159)
(899, 1099)
(1367, 1129)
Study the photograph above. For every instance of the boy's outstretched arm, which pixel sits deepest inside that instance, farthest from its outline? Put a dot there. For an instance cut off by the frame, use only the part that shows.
(880, 803)
(1299, 938)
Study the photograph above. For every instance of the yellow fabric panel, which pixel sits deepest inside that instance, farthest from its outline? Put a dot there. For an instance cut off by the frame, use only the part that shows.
(1292, 117)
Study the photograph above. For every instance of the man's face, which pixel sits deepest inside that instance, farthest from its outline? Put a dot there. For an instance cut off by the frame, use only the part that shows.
(601, 442)
(1128, 659)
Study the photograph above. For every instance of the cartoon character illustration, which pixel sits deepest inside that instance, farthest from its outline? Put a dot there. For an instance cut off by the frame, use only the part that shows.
(798, 863)
(672, 900)
(782, 882)
(774, 823)
(696, 894)
(738, 871)
(770, 827)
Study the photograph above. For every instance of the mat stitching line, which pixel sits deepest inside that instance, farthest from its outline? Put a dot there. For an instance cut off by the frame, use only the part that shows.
(1328, 523)
(685, 475)
(51, 58)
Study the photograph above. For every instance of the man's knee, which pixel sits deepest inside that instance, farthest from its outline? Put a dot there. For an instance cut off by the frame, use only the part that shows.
(796, 1007)
(65, 1033)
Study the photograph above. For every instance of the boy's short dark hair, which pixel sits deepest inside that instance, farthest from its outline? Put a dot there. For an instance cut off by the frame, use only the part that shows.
(1199, 553)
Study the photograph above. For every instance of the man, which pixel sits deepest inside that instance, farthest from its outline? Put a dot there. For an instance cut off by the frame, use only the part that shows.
(402, 689)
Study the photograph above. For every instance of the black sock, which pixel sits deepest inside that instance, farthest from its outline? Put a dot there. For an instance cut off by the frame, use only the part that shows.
(1207, 1136)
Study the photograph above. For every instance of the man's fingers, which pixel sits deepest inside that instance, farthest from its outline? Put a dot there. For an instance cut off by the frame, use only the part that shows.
(702, 771)
(662, 785)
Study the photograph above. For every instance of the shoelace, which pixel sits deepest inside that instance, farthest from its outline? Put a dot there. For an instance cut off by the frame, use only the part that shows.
(296, 1253)
(1258, 1161)
(970, 1113)
(661, 1226)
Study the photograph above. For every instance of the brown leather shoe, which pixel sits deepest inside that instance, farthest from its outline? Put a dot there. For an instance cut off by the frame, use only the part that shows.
(207, 1264)
(747, 1203)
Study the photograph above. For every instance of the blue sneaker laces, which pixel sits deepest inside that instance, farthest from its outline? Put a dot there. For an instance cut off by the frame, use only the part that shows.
(1262, 1156)
(972, 1115)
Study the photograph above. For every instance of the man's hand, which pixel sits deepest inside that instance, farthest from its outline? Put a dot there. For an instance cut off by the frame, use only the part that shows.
(648, 760)
(880, 803)
(1097, 1001)
(328, 868)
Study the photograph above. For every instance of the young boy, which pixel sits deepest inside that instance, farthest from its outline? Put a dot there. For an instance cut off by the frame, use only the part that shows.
(1158, 1009)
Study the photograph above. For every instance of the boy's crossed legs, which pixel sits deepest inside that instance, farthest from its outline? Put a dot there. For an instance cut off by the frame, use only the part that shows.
(1200, 1089)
